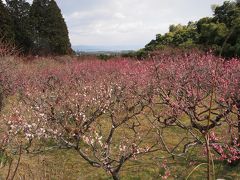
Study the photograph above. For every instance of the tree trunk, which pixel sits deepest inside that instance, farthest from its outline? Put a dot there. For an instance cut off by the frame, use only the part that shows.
(239, 126)
(1, 98)
(115, 176)
(208, 157)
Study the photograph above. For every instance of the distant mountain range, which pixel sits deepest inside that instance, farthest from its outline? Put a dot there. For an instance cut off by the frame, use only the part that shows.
(88, 48)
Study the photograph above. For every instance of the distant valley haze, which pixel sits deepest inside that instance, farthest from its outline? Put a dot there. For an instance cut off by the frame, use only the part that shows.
(104, 48)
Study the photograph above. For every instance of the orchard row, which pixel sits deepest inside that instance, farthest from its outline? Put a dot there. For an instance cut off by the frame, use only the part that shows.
(114, 111)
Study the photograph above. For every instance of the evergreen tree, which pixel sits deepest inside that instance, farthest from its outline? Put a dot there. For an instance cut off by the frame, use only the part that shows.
(19, 11)
(50, 34)
(6, 24)
(38, 17)
(57, 30)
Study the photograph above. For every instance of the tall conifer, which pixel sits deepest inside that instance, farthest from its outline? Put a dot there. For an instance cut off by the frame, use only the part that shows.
(49, 30)
(58, 32)
(38, 16)
(19, 12)
(6, 24)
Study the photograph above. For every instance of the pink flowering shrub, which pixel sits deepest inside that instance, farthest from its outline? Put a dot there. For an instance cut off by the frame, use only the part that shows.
(7, 88)
(87, 106)
(226, 151)
(114, 111)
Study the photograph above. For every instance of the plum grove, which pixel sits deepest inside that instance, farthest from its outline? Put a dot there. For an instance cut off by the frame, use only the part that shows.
(114, 111)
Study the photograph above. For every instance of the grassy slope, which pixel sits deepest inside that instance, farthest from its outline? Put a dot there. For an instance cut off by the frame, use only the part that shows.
(61, 164)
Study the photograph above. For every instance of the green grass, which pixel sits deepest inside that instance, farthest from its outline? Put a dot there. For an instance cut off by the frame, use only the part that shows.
(67, 164)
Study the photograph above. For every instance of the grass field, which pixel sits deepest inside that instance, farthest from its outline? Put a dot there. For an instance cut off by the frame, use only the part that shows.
(67, 164)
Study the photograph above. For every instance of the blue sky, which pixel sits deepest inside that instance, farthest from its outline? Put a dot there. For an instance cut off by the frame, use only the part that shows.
(128, 22)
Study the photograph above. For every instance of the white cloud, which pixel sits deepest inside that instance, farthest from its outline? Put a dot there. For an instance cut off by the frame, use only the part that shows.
(125, 22)
(119, 15)
(114, 22)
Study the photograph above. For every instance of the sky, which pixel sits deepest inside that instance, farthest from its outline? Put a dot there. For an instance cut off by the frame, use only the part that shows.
(128, 23)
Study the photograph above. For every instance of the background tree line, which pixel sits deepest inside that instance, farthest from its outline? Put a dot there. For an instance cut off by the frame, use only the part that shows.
(220, 33)
(38, 28)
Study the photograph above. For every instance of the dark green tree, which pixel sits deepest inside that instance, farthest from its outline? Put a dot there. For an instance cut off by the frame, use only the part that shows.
(226, 13)
(19, 11)
(213, 33)
(39, 27)
(57, 30)
(49, 30)
(6, 24)
(229, 14)
(220, 33)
